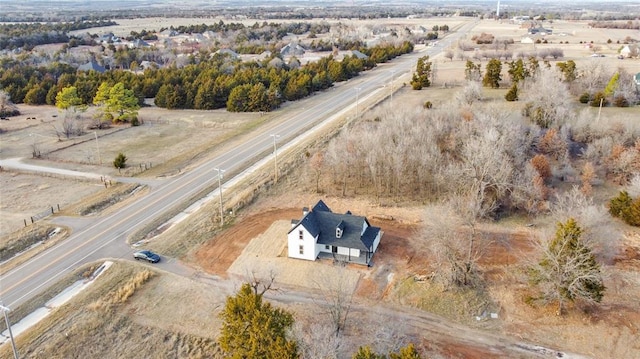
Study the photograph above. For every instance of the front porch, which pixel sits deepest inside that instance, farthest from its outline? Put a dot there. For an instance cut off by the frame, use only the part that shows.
(361, 259)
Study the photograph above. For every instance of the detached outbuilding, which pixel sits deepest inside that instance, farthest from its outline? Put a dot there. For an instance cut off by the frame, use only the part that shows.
(324, 234)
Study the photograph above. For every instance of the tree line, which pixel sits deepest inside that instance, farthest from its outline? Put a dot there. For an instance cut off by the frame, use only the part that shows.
(208, 83)
(28, 35)
(480, 162)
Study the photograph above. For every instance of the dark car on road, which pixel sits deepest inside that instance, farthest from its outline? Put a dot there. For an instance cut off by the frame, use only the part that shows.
(147, 256)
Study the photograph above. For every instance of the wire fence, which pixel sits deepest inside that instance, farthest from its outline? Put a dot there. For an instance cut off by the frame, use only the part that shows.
(41, 215)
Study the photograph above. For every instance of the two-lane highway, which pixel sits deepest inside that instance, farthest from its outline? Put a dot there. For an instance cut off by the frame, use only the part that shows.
(106, 235)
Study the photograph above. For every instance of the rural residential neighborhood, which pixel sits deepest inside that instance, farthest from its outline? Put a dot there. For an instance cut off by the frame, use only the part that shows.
(285, 179)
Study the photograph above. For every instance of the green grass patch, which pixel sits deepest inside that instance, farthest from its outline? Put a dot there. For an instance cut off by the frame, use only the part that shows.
(460, 304)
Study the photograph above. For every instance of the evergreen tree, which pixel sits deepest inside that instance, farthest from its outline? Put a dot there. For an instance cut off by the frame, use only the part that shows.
(492, 75)
(120, 161)
(422, 75)
(612, 86)
(117, 99)
(239, 99)
(367, 353)
(568, 269)
(618, 205)
(252, 328)
(517, 71)
(625, 208)
(512, 94)
(37, 95)
(568, 69)
(258, 100)
(68, 98)
(408, 352)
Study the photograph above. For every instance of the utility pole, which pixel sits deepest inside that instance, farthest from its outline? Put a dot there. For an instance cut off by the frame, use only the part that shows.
(600, 109)
(357, 98)
(220, 174)
(97, 147)
(275, 156)
(6, 310)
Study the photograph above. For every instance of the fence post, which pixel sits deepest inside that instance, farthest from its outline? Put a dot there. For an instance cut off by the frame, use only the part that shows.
(25, 222)
(31, 219)
(58, 207)
(52, 210)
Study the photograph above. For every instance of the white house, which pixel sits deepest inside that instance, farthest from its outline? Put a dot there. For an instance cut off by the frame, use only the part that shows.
(324, 234)
(526, 40)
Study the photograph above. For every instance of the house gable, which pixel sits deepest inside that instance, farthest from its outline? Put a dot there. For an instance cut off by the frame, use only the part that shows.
(344, 234)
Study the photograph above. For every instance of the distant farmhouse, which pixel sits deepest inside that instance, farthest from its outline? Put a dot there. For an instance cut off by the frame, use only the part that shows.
(539, 31)
(292, 49)
(92, 65)
(324, 234)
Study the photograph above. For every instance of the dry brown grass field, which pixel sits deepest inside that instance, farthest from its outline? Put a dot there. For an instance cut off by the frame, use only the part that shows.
(155, 319)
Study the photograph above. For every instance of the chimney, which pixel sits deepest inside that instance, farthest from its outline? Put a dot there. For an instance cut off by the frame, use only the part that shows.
(305, 210)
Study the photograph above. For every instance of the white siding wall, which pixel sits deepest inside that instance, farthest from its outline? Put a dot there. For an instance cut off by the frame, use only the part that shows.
(377, 241)
(345, 251)
(323, 249)
(308, 243)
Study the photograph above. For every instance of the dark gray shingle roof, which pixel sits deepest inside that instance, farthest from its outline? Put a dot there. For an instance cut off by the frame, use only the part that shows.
(321, 222)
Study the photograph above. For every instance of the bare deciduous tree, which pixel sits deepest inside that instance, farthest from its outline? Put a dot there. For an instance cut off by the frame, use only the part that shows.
(549, 100)
(318, 340)
(337, 296)
(6, 106)
(470, 93)
(316, 163)
(68, 127)
(391, 336)
(456, 251)
(593, 76)
(449, 54)
(587, 177)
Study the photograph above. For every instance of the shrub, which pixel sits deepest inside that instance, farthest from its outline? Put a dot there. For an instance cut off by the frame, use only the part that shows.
(597, 99)
(620, 101)
(585, 97)
(427, 105)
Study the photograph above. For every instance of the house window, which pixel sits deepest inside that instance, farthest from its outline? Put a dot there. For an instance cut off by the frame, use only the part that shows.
(301, 249)
(327, 247)
(301, 234)
(338, 233)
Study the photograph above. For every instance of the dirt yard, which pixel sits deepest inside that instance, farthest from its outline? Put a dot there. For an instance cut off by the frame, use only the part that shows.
(610, 330)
